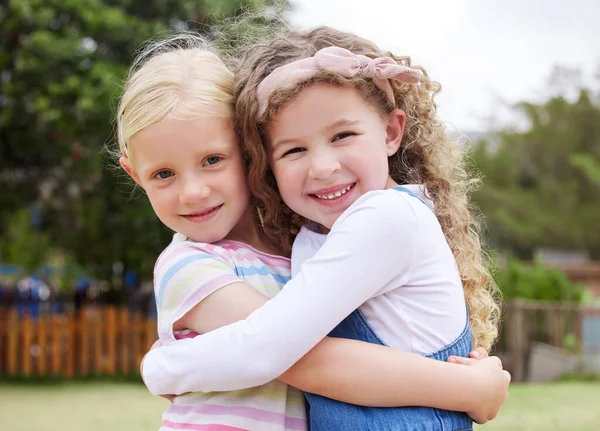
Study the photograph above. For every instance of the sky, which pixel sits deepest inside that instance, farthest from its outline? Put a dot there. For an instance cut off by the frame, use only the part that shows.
(487, 54)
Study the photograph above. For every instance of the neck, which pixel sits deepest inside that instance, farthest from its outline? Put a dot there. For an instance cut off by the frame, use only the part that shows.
(247, 231)
(390, 183)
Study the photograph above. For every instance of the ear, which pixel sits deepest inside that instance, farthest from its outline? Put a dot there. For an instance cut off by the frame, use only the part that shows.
(396, 121)
(124, 161)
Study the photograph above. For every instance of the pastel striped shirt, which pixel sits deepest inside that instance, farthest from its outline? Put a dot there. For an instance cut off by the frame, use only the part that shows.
(186, 273)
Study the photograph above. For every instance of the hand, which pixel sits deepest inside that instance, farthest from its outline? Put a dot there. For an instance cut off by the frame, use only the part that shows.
(478, 353)
(493, 380)
(156, 344)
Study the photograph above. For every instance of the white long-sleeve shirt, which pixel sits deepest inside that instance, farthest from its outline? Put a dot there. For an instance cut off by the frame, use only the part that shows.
(388, 246)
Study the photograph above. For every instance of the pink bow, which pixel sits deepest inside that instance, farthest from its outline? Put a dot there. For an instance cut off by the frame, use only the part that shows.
(341, 61)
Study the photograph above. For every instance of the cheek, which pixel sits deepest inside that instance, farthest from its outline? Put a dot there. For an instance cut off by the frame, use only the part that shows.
(161, 203)
(288, 177)
(236, 179)
(371, 167)
(153, 196)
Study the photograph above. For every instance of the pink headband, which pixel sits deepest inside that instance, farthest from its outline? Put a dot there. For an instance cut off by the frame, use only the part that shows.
(341, 61)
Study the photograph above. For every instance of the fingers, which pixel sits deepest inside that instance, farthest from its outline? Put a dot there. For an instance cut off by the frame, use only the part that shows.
(460, 360)
(497, 361)
(479, 353)
(470, 361)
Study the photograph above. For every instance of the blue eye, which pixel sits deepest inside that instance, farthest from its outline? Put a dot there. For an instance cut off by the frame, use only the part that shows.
(163, 175)
(213, 160)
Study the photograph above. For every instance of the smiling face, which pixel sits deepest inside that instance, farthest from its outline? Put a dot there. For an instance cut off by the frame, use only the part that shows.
(328, 147)
(193, 174)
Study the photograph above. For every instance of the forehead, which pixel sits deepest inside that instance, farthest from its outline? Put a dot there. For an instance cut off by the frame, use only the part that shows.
(318, 106)
(172, 138)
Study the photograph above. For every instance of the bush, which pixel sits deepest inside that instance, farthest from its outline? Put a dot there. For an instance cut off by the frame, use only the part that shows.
(533, 281)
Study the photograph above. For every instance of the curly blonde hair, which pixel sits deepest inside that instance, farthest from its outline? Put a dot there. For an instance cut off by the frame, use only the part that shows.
(426, 156)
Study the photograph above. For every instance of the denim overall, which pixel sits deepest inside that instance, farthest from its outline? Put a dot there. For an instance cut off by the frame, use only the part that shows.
(325, 414)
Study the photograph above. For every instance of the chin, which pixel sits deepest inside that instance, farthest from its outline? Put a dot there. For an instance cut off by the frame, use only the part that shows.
(208, 238)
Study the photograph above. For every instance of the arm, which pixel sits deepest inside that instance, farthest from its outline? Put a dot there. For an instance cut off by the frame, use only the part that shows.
(361, 373)
(351, 371)
(261, 348)
(330, 286)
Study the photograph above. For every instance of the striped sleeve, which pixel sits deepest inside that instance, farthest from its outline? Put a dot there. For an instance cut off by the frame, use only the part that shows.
(184, 275)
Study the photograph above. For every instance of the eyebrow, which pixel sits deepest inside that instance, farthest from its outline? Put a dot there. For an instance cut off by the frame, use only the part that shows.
(217, 147)
(339, 123)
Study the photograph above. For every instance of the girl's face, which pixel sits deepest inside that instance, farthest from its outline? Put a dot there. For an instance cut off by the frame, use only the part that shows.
(328, 147)
(193, 175)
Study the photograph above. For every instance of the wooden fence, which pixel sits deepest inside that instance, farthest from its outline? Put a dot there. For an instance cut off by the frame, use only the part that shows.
(103, 340)
(556, 324)
(108, 340)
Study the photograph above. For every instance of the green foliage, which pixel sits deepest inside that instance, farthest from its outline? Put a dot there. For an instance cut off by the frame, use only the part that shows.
(62, 64)
(24, 244)
(588, 164)
(534, 281)
(541, 183)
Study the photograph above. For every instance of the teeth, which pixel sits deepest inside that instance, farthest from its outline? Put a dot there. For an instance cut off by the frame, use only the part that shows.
(336, 194)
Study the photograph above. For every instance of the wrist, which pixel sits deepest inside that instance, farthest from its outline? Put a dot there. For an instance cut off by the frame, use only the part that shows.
(472, 389)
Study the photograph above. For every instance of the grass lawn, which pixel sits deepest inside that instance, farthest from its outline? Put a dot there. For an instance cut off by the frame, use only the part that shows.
(564, 406)
(573, 406)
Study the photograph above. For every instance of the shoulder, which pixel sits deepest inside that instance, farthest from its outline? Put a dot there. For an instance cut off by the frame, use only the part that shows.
(180, 253)
(382, 212)
(309, 237)
(306, 244)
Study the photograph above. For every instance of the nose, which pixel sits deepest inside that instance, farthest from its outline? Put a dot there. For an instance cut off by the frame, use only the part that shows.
(323, 164)
(193, 191)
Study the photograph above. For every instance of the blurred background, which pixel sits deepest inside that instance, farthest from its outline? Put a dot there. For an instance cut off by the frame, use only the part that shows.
(520, 88)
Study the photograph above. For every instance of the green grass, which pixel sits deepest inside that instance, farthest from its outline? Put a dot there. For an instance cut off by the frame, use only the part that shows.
(79, 407)
(564, 406)
(572, 406)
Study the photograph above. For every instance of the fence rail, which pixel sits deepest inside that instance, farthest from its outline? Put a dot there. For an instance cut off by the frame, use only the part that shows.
(105, 340)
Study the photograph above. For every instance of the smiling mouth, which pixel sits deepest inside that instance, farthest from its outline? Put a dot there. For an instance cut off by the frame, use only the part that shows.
(203, 214)
(335, 195)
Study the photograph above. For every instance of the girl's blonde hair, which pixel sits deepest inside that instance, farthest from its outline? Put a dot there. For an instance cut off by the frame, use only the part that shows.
(426, 157)
(180, 77)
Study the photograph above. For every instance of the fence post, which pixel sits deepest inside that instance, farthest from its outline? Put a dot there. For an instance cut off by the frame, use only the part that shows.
(26, 350)
(11, 343)
(111, 339)
(125, 332)
(557, 325)
(84, 353)
(137, 336)
(42, 324)
(55, 348)
(97, 353)
(70, 333)
(517, 342)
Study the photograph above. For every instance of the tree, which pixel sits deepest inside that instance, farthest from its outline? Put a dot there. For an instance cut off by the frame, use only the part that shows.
(539, 188)
(62, 63)
(587, 164)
